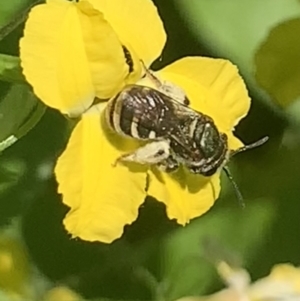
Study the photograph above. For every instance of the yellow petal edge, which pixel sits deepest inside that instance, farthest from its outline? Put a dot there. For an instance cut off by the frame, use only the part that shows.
(137, 24)
(75, 59)
(102, 198)
(185, 195)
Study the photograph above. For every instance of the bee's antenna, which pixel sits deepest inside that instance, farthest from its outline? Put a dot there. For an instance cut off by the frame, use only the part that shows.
(249, 146)
(150, 75)
(228, 173)
(235, 187)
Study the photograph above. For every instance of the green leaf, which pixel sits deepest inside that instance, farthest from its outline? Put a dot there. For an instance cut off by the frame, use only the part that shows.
(10, 69)
(13, 13)
(8, 9)
(187, 270)
(234, 29)
(10, 173)
(20, 111)
(278, 63)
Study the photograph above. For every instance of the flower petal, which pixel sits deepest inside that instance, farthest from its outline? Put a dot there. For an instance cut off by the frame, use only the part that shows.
(286, 273)
(102, 198)
(137, 24)
(75, 59)
(233, 142)
(214, 88)
(104, 51)
(185, 195)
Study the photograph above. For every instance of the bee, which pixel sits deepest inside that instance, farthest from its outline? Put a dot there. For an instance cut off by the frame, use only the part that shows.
(174, 133)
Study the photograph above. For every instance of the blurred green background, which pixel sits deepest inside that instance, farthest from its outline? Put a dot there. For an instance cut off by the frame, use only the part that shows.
(157, 259)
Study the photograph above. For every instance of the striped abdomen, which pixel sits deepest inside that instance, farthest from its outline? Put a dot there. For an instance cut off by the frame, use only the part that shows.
(141, 112)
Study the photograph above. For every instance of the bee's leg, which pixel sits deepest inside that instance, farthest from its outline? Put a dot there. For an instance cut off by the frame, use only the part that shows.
(167, 87)
(169, 165)
(152, 153)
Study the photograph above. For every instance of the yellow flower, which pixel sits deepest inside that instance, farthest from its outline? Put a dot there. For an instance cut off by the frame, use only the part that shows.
(81, 57)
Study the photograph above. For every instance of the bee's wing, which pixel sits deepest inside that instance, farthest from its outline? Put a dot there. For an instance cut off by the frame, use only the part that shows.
(153, 110)
(156, 99)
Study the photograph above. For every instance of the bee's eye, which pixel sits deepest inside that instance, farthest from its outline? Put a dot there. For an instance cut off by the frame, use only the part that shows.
(210, 140)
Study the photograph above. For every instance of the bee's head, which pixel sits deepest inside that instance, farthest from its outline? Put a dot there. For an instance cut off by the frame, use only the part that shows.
(212, 165)
(213, 147)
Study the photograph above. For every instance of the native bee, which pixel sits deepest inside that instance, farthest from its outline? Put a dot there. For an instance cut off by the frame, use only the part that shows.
(175, 133)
